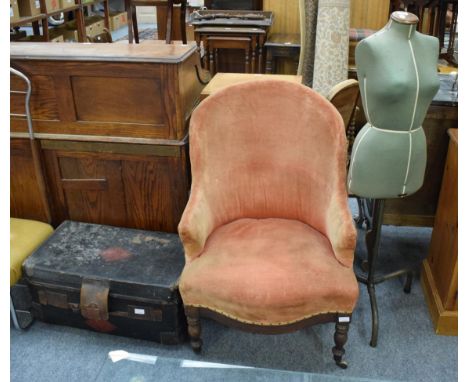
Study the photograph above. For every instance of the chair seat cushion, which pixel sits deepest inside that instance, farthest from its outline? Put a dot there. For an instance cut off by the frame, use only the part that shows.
(25, 237)
(268, 272)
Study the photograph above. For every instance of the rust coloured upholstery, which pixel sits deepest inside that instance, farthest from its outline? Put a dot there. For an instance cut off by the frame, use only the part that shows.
(267, 232)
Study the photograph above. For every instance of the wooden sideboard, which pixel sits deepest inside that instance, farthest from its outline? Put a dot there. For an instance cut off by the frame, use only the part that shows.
(112, 124)
(419, 209)
(440, 269)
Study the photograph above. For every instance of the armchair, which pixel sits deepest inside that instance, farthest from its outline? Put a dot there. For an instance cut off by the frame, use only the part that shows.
(268, 237)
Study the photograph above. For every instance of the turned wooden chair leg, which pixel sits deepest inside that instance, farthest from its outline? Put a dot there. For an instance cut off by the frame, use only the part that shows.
(194, 328)
(408, 282)
(341, 336)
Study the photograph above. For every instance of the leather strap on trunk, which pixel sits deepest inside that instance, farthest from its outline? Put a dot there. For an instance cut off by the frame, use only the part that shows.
(94, 297)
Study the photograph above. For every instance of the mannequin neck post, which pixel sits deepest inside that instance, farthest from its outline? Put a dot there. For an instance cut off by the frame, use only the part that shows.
(403, 23)
(405, 30)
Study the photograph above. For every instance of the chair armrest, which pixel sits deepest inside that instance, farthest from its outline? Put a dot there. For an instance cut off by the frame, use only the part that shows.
(341, 230)
(195, 226)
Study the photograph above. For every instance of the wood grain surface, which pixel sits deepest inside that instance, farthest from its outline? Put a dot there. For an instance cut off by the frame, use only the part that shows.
(164, 53)
(113, 134)
(25, 199)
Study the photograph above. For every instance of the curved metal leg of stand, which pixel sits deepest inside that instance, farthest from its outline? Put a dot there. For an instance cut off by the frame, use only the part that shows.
(375, 315)
(360, 219)
(13, 315)
(364, 265)
(408, 282)
(373, 216)
(372, 244)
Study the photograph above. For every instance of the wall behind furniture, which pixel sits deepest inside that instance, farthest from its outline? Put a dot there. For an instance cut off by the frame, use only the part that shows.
(286, 15)
(369, 14)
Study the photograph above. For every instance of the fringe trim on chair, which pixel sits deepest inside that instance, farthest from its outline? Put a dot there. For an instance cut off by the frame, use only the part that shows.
(265, 324)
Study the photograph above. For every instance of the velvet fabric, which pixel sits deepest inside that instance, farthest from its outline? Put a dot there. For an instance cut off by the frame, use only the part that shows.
(25, 237)
(267, 232)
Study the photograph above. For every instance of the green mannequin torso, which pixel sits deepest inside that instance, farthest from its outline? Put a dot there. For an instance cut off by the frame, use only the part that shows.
(397, 72)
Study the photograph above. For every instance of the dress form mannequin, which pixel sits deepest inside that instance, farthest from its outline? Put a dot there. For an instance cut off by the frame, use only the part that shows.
(397, 72)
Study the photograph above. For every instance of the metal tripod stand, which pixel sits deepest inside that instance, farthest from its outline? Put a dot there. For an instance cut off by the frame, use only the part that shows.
(371, 213)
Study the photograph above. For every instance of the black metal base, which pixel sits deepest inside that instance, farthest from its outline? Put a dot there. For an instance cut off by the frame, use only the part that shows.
(371, 217)
(20, 305)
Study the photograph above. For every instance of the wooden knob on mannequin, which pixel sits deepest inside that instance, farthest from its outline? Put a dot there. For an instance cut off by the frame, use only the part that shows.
(403, 17)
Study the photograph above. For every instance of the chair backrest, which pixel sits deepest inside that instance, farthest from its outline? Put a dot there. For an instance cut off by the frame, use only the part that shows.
(344, 96)
(268, 148)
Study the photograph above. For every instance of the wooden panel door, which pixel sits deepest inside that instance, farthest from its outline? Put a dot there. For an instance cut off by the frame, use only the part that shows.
(87, 188)
(125, 185)
(156, 192)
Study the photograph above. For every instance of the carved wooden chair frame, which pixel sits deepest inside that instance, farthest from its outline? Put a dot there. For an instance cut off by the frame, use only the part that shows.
(342, 321)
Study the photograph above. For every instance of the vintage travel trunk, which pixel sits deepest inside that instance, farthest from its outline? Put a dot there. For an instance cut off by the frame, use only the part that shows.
(113, 280)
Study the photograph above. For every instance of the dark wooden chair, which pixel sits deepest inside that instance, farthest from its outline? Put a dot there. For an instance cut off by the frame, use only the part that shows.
(130, 6)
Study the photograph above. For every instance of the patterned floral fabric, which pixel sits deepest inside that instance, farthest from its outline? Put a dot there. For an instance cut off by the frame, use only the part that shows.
(331, 45)
(308, 29)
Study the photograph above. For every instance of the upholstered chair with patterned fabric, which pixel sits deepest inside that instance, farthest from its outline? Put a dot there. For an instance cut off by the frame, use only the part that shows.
(268, 236)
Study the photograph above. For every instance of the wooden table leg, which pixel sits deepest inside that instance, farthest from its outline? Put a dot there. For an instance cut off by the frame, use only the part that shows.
(183, 28)
(441, 27)
(211, 62)
(247, 60)
(253, 49)
(135, 24)
(206, 64)
(197, 41)
(269, 60)
(170, 7)
(80, 26)
(36, 29)
(129, 21)
(106, 15)
(45, 29)
(261, 42)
